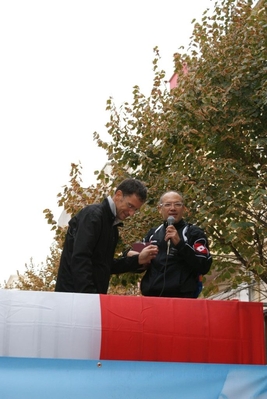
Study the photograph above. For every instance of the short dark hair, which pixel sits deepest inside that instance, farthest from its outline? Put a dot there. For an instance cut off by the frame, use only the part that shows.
(132, 186)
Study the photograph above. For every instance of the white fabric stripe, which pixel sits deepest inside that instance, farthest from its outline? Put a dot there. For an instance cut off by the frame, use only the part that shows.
(50, 325)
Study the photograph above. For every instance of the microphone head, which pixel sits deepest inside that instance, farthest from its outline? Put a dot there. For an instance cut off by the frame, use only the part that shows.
(170, 220)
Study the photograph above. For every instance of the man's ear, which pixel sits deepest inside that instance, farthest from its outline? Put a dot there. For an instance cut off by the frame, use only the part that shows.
(118, 194)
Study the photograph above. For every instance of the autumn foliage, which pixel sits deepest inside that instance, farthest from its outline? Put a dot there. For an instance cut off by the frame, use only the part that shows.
(207, 138)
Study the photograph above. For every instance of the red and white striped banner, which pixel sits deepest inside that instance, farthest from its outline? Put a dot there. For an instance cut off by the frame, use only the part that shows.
(110, 327)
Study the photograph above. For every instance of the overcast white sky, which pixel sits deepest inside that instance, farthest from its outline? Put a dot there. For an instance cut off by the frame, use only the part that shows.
(60, 62)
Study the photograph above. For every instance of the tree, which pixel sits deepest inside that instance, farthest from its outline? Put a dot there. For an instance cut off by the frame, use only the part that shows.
(40, 277)
(43, 277)
(207, 138)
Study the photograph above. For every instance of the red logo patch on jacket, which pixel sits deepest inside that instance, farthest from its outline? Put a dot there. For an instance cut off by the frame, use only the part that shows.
(201, 248)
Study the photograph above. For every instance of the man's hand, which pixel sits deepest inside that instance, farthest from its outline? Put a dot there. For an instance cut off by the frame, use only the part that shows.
(147, 254)
(172, 234)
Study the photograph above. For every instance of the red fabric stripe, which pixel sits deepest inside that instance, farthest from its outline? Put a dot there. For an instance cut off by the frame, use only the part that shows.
(181, 330)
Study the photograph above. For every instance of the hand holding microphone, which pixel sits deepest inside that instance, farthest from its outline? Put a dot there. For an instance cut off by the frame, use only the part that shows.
(170, 222)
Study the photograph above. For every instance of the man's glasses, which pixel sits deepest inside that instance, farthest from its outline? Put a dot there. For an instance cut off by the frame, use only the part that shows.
(131, 206)
(170, 204)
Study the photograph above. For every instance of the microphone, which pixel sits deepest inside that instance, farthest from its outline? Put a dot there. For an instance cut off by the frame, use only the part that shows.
(170, 221)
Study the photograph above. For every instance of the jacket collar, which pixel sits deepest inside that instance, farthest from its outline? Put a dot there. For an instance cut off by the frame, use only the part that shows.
(112, 206)
(178, 225)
